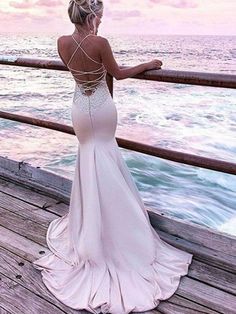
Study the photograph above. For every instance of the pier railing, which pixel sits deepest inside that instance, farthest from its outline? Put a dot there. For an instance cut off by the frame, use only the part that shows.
(171, 76)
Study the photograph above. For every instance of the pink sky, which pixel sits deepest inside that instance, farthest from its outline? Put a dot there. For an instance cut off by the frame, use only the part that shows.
(200, 17)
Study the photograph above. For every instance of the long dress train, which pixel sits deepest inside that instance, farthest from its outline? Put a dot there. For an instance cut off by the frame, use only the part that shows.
(105, 255)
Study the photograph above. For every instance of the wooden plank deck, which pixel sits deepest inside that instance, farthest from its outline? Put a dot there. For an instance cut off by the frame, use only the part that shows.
(209, 287)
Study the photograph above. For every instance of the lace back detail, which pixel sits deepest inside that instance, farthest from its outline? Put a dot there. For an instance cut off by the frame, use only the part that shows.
(90, 104)
(87, 85)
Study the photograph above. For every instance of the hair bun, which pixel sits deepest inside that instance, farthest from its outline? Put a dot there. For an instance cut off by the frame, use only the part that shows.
(80, 2)
(79, 9)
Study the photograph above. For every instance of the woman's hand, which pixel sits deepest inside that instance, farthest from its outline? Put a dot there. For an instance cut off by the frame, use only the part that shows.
(154, 64)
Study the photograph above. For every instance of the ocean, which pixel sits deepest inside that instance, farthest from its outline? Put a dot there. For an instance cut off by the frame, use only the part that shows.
(194, 119)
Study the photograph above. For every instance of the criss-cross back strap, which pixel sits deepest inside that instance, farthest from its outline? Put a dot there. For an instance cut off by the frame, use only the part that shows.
(79, 46)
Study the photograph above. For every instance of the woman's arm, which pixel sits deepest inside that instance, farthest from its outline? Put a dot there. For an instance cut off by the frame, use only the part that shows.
(113, 68)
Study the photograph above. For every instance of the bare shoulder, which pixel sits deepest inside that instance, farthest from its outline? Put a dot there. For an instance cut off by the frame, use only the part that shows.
(62, 39)
(102, 40)
(63, 42)
(62, 47)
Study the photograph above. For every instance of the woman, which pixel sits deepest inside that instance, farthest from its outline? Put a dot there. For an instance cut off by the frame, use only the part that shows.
(105, 255)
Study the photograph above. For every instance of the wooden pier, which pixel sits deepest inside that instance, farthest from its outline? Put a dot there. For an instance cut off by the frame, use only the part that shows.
(30, 198)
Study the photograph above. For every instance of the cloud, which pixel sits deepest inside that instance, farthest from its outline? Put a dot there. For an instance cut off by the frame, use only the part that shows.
(20, 22)
(4, 16)
(49, 3)
(122, 14)
(180, 4)
(28, 4)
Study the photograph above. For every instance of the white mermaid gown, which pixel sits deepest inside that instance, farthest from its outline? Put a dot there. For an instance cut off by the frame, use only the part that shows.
(105, 255)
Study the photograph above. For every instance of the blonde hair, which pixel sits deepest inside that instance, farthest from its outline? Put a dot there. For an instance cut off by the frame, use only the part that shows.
(79, 10)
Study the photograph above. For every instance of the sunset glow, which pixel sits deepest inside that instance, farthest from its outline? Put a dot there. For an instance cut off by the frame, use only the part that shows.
(203, 17)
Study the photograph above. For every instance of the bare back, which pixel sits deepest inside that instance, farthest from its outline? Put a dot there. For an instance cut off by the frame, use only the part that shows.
(83, 59)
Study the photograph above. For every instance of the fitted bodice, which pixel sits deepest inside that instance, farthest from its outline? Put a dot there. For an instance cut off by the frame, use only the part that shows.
(87, 85)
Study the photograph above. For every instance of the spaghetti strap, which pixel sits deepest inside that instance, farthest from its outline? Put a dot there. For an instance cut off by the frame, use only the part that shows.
(90, 57)
(79, 43)
(87, 85)
(76, 47)
(79, 46)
